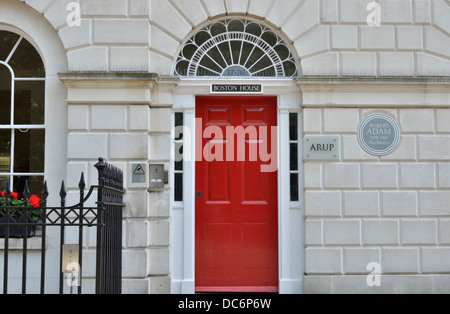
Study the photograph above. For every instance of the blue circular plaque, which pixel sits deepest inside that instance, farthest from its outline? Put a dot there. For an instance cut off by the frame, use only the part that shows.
(379, 134)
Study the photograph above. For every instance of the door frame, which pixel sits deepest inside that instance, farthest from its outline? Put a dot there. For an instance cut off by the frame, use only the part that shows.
(290, 214)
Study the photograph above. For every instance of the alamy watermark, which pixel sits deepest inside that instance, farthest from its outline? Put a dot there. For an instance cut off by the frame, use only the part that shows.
(229, 143)
(374, 17)
(374, 278)
(74, 16)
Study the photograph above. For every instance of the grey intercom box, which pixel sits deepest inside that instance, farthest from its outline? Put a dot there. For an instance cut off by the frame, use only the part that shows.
(156, 176)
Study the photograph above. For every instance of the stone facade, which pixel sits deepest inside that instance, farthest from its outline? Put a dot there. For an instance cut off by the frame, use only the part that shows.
(360, 209)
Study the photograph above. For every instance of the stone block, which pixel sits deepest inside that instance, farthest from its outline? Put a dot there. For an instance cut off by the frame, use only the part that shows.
(444, 175)
(137, 204)
(323, 203)
(78, 117)
(434, 203)
(129, 59)
(313, 42)
(171, 20)
(340, 120)
(399, 203)
(353, 11)
(382, 176)
(237, 6)
(329, 12)
(303, 19)
(115, 31)
(88, 59)
(259, 8)
(342, 232)
(422, 12)
(134, 264)
(344, 37)
(135, 286)
(342, 175)
(410, 231)
(128, 146)
(109, 117)
(436, 260)
(435, 147)
(417, 175)
(410, 37)
(104, 7)
(313, 175)
(57, 13)
(160, 120)
(137, 231)
(381, 232)
(159, 147)
(396, 11)
(396, 63)
(430, 65)
(357, 259)
(441, 12)
(361, 204)
(359, 63)
(444, 231)
(313, 232)
(139, 117)
(377, 38)
(87, 145)
(160, 285)
(443, 120)
(322, 64)
(323, 261)
(417, 120)
(160, 204)
(401, 260)
(76, 36)
(38, 5)
(437, 42)
(158, 261)
(139, 8)
(162, 41)
(312, 120)
(159, 233)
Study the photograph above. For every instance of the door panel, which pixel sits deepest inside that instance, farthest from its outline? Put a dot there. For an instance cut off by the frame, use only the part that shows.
(237, 212)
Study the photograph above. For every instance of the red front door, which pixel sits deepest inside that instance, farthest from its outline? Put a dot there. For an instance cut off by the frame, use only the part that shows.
(236, 200)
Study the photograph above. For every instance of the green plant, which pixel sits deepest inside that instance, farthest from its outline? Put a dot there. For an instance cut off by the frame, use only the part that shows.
(33, 209)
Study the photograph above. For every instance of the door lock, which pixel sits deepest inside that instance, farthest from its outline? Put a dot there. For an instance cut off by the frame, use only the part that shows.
(199, 194)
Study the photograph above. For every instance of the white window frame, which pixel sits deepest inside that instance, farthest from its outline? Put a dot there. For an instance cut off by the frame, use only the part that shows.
(12, 126)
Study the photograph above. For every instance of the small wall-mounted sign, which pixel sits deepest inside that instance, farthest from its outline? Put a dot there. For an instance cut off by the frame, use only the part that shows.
(379, 134)
(157, 176)
(138, 173)
(320, 147)
(236, 88)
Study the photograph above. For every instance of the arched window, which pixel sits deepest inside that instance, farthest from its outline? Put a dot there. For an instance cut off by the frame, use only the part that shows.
(22, 113)
(236, 48)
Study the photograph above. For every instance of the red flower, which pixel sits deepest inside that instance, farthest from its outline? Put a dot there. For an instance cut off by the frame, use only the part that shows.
(13, 194)
(35, 201)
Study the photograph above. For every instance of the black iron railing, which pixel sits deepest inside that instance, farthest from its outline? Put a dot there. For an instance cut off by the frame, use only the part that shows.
(106, 216)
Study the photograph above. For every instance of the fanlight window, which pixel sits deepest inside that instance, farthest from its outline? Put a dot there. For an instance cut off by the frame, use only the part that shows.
(22, 113)
(236, 48)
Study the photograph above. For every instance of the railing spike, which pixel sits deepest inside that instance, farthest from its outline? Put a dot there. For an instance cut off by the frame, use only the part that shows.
(63, 192)
(7, 190)
(44, 192)
(26, 191)
(82, 184)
